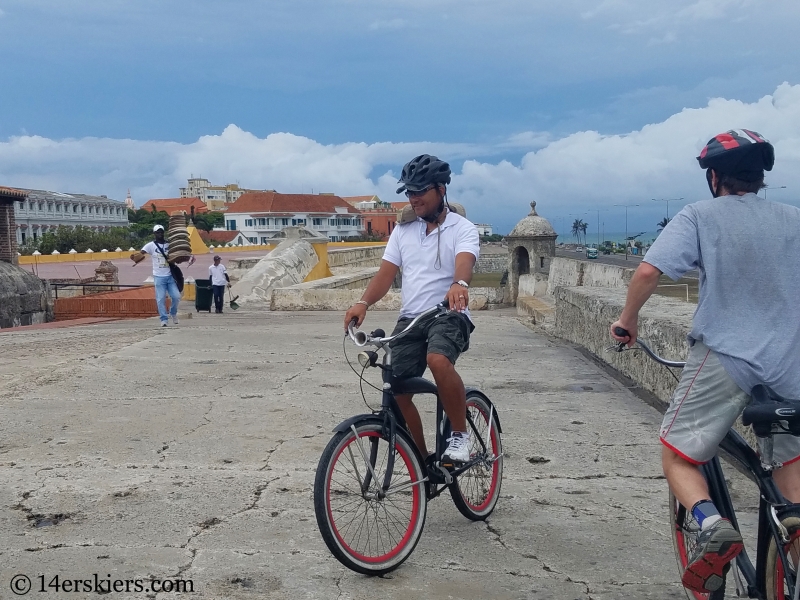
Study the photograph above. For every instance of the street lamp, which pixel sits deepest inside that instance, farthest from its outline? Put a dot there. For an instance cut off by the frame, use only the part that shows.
(626, 226)
(667, 200)
(774, 187)
(598, 211)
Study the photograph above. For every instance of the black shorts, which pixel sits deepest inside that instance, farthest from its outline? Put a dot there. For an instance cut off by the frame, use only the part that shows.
(446, 334)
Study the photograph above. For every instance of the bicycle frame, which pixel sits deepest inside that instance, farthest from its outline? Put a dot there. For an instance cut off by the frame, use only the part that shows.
(770, 502)
(768, 521)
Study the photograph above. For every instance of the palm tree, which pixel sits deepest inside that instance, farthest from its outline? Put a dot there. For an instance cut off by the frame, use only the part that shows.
(663, 223)
(578, 229)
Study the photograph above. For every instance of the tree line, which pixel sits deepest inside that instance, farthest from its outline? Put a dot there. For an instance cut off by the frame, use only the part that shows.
(135, 235)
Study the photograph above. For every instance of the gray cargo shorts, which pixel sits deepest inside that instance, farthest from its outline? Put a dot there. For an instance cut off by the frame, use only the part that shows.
(705, 405)
(446, 334)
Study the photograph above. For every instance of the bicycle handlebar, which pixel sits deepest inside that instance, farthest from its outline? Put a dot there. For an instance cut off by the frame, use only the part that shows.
(376, 338)
(667, 363)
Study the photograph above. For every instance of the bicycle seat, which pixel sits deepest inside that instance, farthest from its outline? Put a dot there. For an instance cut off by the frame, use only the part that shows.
(768, 408)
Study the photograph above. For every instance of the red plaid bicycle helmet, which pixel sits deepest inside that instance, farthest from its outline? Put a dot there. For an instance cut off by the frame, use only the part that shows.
(740, 153)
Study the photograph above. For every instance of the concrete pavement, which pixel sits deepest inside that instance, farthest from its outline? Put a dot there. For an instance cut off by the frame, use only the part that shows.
(136, 452)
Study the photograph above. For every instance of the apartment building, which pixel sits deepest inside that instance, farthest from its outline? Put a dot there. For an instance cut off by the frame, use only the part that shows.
(215, 197)
(261, 215)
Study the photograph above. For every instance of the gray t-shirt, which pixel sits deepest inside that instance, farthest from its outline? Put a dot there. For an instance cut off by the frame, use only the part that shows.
(747, 251)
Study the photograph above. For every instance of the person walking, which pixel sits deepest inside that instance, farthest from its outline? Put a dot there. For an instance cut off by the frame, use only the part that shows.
(219, 281)
(163, 280)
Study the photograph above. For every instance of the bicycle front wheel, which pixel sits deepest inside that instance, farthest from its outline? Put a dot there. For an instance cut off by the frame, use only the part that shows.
(369, 530)
(475, 492)
(684, 538)
(776, 577)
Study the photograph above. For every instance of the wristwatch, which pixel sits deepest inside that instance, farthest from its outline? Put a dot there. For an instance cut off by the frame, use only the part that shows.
(462, 283)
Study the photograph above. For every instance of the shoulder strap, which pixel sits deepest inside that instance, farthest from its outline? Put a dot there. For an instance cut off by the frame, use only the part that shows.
(161, 249)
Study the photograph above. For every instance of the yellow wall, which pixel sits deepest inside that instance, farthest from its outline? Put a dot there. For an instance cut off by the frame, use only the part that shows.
(321, 269)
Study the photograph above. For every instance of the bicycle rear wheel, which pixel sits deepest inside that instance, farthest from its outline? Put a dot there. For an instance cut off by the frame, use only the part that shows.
(684, 529)
(475, 492)
(367, 530)
(776, 586)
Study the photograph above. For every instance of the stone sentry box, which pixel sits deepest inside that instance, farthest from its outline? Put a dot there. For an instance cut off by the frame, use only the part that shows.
(531, 248)
(24, 298)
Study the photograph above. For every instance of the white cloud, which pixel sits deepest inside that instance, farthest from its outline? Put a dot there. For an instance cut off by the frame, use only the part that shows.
(582, 171)
(388, 24)
(1, 12)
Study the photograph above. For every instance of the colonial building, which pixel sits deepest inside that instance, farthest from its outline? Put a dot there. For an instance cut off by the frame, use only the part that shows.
(43, 211)
(379, 217)
(483, 228)
(261, 215)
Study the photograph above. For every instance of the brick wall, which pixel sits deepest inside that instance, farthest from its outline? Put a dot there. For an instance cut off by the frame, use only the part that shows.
(126, 304)
(8, 232)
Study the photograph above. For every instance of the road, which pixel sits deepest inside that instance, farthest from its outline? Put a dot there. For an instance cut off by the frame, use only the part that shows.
(190, 452)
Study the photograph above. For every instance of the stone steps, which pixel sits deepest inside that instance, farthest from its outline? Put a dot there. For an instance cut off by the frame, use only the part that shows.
(540, 311)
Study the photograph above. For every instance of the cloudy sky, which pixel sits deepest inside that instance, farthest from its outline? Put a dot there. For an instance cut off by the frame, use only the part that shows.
(580, 105)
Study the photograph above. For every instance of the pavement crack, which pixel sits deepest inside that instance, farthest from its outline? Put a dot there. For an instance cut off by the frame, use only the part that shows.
(270, 453)
(205, 417)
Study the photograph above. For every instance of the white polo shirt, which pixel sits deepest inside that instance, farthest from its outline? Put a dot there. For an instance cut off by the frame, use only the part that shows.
(425, 285)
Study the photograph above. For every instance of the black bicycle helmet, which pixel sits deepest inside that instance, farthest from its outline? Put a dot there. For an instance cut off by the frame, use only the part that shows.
(422, 171)
(739, 153)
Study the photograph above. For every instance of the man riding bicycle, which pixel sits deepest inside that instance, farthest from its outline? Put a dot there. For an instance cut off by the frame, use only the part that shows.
(437, 252)
(745, 331)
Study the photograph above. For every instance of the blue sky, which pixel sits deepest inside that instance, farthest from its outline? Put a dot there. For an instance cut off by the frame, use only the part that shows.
(557, 102)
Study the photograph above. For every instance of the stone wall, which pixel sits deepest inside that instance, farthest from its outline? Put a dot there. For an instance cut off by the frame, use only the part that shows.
(568, 272)
(24, 298)
(8, 232)
(492, 263)
(532, 284)
(341, 260)
(288, 264)
(302, 297)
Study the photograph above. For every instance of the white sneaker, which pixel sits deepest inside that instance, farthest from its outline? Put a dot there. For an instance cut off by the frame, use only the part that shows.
(458, 448)
(175, 319)
(163, 323)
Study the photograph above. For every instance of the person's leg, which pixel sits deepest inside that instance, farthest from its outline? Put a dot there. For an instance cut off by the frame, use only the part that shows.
(217, 291)
(174, 296)
(408, 360)
(787, 451)
(448, 337)
(161, 297)
(413, 420)
(704, 407)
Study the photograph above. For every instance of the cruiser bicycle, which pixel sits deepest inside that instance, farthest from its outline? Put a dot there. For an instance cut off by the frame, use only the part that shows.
(775, 575)
(372, 484)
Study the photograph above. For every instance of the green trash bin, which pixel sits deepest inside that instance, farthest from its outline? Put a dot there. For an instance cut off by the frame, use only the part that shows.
(204, 295)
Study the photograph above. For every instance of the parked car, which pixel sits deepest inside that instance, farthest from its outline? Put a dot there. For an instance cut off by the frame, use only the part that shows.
(579, 249)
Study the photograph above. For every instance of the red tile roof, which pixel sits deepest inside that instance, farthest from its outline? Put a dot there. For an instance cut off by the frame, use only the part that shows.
(218, 237)
(273, 202)
(173, 205)
(11, 192)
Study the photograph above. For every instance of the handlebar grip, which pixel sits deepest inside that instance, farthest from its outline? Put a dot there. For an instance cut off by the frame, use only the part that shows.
(446, 303)
(621, 332)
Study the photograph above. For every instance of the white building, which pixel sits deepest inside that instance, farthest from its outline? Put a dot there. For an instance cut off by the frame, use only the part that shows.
(44, 211)
(261, 215)
(483, 229)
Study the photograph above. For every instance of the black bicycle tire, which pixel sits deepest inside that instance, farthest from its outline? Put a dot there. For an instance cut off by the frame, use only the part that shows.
(320, 501)
(678, 511)
(790, 519)
(455, 491)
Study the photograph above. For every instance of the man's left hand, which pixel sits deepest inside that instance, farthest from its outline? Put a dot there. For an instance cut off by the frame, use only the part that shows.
(458, 297)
